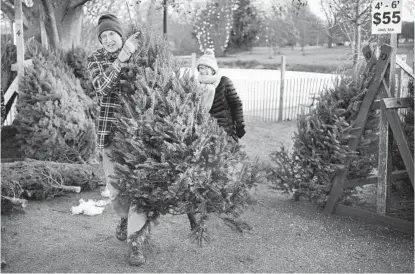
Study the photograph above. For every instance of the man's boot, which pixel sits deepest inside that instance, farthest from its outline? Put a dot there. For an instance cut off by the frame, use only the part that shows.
(121, 231)
(135, 249)
(192, 220)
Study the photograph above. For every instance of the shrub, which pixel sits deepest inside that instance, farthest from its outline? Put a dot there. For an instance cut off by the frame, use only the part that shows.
(53, 120)
(320, 146)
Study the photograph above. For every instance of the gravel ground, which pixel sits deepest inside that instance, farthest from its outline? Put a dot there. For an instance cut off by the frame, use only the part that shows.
(288, 236)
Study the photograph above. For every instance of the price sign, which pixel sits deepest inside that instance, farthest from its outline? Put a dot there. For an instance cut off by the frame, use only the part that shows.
(386, 16)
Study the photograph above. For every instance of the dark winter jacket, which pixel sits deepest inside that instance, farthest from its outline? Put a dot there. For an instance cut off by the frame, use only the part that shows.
(227, 108)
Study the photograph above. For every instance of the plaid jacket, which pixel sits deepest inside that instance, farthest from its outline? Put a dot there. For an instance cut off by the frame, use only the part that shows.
(105, 70)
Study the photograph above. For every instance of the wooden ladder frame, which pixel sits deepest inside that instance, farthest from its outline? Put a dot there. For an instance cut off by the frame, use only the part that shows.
(389, 123)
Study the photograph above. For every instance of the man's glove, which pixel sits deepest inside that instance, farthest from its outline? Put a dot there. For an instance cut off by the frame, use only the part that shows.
(130, 46)
(240, 131)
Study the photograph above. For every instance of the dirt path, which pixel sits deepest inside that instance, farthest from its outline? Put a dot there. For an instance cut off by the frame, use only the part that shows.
(288, 236)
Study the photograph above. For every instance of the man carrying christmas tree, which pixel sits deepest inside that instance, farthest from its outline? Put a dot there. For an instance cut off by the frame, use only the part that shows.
(105, 69)
(219, 96)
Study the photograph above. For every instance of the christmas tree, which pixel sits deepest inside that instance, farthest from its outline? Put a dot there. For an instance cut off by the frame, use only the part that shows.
(172, 158)
(54, 115)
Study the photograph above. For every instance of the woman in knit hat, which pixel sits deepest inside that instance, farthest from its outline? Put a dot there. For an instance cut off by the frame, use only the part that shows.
(219, 96)
(105, 69)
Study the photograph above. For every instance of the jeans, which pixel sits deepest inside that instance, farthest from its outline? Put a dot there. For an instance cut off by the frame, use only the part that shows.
(122, 207)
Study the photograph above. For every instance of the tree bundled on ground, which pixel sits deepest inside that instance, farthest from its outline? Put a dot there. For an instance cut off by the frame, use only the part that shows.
(321, 145)
(171, 157)
(38, 180)
(53, 120)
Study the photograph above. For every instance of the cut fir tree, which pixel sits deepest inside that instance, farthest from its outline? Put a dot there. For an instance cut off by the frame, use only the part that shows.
(172, 158)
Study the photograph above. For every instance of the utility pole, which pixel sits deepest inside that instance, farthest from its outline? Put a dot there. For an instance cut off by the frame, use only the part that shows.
(165, 17)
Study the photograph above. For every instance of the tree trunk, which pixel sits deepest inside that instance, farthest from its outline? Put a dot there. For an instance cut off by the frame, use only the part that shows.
(357, 45)
(302, 37)
(70, 29)
(68, 23)
(330, 41)
(63, 25)
(51, 29)
(357, 33)
(63, 22)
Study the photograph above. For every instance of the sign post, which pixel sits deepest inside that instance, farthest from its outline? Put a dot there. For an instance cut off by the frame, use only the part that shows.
(18, 34)
(386, 19)
(386, 16)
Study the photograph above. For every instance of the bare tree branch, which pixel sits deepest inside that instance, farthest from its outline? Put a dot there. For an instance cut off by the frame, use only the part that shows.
(365, 12)
(344, 12)
(76, 3)
(367, 16)
(349, 33)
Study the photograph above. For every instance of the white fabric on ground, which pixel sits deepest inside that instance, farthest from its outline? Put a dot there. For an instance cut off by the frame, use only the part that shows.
(90, 207)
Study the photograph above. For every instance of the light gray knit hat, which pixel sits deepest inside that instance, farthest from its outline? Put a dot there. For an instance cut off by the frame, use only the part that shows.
(208, 59)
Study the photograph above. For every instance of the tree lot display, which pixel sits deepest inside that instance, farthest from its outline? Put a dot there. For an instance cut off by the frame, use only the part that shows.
(320, 146)
(53, 124)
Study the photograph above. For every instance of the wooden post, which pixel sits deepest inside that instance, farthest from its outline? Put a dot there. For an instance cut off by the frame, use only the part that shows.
(401, 74)
(14, 33)
(12, 29)
(193, 64)
(385, 141)
(384, 164)
(19, 39)
(282, 88)
(400, 138)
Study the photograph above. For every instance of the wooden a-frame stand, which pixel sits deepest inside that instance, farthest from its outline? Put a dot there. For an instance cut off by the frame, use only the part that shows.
(377, 86)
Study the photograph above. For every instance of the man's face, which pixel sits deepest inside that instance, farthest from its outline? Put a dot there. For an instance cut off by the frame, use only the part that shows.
(205, 70)
(111, 40)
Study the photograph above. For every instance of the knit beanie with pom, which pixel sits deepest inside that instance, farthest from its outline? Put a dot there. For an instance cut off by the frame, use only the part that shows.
(208, 59)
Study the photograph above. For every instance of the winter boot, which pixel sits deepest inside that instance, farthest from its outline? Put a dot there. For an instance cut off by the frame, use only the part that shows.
(121, 231)
(135, 250)
(192, 220)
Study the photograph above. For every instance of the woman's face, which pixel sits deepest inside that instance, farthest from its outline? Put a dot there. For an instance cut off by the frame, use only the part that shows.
(111, 40)
(205, 70)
